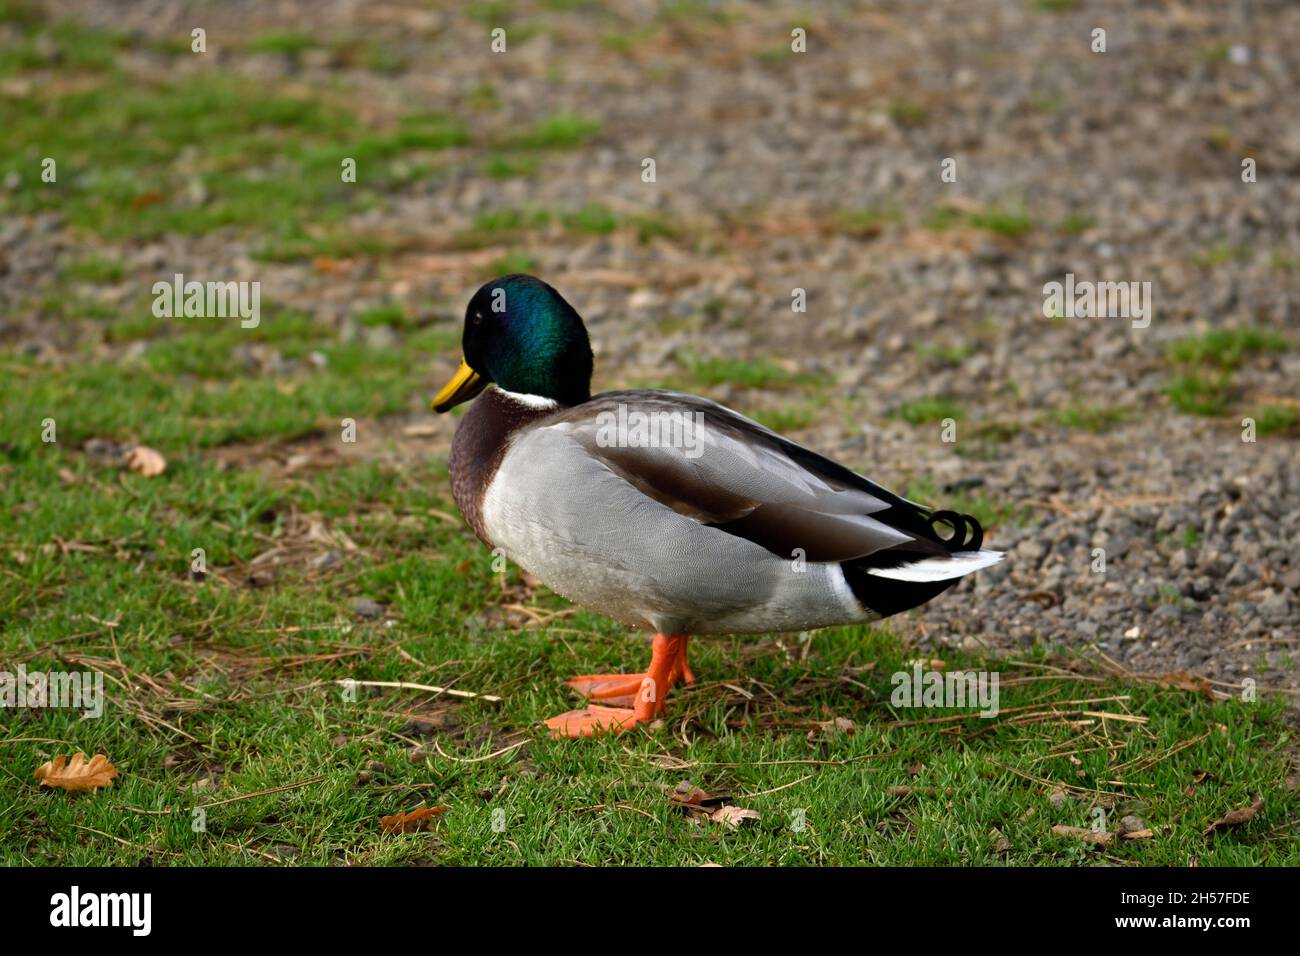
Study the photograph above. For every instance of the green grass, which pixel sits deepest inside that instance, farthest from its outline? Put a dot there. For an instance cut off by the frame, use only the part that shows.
(908, 113)
(506, 166)
(511, 262)
(496, 222)
(390, 313)
(1276, 418)
(271, 161)
(950, 354)
(493, 225)
(748, 373)
(95, 269)
(1225, 349)
(1075, 224)
(1195, 394)
(65, 44)
(1222, 254)
(929, 410)
(1215, 52)
(562, 131)
(782, 420)
(1093, 418)
(220, 690)
(1011, 222)
(865, 223)
(1206, 363)
(289, 42)
(593, 219)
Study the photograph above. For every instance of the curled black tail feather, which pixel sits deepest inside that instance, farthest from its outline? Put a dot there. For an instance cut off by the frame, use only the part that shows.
(967, 532)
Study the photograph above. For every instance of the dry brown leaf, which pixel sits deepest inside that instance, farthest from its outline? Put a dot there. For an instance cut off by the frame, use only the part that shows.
(403, 822)
(1235, 818)
(1189, 682)
(77, 774)
(331, 267)
(905, 791)
(1137, 835)
(700, 804)
(1095, 837)
(692, 796)
(146, 461)
(998, 841)
(734, 816)
(830, 729)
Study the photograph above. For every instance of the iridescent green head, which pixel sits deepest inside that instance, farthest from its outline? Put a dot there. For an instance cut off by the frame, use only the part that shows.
(522, 335)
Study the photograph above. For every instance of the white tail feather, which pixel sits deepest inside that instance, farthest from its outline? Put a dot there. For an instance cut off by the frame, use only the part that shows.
(956, 565)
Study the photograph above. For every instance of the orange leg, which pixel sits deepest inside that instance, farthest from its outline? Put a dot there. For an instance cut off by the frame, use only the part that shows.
(629, 698)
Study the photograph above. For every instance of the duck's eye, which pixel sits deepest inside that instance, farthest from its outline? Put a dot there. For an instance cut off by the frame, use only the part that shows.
(478, 318)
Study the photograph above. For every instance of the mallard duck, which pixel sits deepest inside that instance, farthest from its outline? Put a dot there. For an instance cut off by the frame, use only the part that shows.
(669, 512)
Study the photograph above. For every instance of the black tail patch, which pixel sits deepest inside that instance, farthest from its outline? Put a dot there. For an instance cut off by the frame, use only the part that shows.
(887, 596)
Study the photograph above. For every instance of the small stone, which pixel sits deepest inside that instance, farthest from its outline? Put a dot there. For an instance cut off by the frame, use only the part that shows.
(366, 609)
(1274, 609)
(1239, 575)
(1131, 824)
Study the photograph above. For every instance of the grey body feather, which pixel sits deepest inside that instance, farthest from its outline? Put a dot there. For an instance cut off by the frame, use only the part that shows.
(632, 532)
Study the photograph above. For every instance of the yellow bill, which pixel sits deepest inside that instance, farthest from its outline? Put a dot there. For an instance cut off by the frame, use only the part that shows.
(464, 385)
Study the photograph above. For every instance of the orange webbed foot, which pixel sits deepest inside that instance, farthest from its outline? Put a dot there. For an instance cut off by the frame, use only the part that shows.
(617, 690)
(628, 699)
(591, 721)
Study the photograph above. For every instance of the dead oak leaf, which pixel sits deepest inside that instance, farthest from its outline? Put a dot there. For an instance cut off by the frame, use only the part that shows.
(78, 774)
(146, 461)
(416, 820)
(1235, 818)
(734, 816)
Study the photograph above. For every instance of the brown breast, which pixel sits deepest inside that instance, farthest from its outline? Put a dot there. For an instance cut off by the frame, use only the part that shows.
(481, 441)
